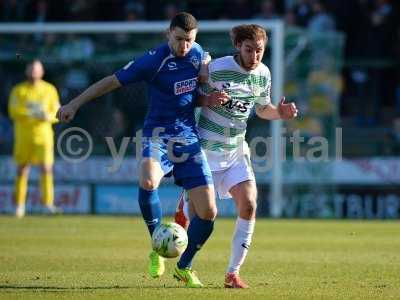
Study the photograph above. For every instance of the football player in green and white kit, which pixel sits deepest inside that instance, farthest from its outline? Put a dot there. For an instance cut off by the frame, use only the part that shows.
(222, 128)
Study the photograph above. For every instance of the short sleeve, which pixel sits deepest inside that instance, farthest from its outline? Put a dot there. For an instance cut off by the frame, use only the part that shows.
(54, 94)
(206, 57)
(54, 104)
(141, 69)
(17, 108)
(200, 52)
(264, 95)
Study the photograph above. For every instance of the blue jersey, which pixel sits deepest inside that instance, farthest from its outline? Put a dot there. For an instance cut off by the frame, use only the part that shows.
(172, 94)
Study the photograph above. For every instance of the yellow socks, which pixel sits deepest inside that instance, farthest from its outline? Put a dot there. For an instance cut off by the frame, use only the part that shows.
(47, 189)
(21, 186)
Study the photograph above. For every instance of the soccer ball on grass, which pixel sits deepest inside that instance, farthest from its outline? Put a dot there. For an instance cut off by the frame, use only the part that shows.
(169, 240)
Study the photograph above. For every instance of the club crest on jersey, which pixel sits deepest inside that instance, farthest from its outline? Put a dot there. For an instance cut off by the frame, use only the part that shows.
(257, 91)
(195, 62)
(172, 66)
(185, 86)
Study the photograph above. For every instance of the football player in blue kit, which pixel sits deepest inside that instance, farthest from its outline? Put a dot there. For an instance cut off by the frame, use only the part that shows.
(170, 139)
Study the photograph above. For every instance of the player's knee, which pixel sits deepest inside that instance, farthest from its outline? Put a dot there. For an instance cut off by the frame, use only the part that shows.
(248, 208)
(208, 214)
(148, 184)
(251, 207)
(46, 169)
(212, 214)
(22, 170)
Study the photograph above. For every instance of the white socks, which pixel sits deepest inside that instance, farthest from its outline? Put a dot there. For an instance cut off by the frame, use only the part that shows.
(241, 242)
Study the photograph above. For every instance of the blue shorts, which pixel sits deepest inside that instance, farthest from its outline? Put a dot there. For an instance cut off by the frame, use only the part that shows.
(186, 162)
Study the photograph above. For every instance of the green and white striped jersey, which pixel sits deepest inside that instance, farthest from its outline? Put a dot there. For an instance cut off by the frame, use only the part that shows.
(222, 129)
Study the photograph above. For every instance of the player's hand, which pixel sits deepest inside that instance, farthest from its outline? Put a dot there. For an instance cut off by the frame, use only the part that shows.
(287, 111)
(218, 98)
(66, 113)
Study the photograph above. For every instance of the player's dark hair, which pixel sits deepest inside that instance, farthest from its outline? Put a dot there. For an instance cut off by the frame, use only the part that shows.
(183, 20)
(252, 32)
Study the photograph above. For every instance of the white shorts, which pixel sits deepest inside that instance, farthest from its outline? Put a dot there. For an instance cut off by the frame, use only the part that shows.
(224, 180)
(238, 172)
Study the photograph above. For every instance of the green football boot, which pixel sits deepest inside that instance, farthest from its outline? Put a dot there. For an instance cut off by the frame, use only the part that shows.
(188, 276)
(157, 266)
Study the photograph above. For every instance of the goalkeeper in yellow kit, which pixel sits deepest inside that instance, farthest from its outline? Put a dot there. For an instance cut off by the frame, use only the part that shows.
(32, 107)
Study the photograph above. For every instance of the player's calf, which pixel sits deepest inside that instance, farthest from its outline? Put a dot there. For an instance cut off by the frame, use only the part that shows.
(203, 200)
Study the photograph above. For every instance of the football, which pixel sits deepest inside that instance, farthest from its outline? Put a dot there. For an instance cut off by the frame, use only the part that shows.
(169, 240)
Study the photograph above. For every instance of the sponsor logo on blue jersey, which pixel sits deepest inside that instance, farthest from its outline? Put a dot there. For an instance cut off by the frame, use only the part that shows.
(185, 86)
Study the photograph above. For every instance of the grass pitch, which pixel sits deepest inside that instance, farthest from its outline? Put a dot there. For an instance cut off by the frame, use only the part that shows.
(106, 257)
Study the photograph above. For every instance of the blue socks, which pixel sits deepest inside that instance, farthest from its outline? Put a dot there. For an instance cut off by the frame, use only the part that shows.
(151, 208)
(198, 232)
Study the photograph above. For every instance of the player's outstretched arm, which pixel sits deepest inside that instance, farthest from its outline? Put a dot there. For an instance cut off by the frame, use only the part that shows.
(67, 112)
(284, 111)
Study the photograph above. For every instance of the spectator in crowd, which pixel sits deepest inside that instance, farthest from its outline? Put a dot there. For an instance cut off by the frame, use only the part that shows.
(170, 10)
(77, 47)
(238, 9)
(80, 10)
(303, 12)
(378, 46)
(382, 29)
(13, 10)
(42, 11)
(320, 21)
(50, 48)
(290, 18)
(134, 10)
(267, 10)
(41, 15)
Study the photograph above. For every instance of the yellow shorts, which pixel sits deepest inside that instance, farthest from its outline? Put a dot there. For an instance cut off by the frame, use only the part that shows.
(28, 151)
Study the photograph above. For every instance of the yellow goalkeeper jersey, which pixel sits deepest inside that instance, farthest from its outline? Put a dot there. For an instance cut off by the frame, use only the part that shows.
(27, 101)
(28, 104)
